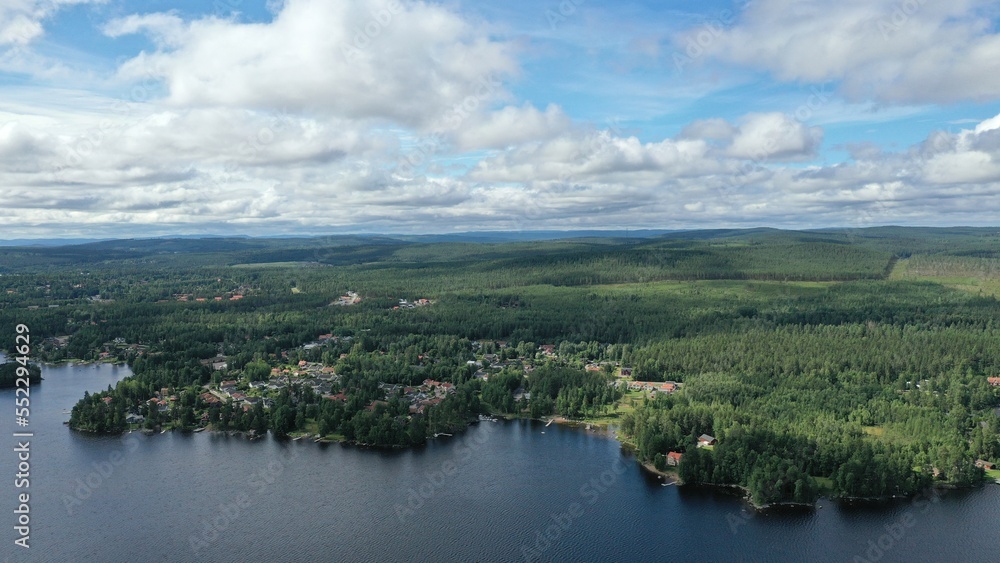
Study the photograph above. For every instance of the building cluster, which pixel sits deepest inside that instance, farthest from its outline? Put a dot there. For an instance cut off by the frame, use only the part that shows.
(427, 394)
(654, 387)
(404, 304)
(352, 298)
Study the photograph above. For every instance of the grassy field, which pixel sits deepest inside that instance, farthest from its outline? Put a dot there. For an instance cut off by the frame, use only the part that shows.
(626, 405)
(980, 276)
(825, 483)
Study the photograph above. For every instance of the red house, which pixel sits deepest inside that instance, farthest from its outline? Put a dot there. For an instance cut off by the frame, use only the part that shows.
(674, 459)
(994, 381)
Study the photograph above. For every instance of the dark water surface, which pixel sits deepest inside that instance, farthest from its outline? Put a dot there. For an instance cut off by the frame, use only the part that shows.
(501, 492)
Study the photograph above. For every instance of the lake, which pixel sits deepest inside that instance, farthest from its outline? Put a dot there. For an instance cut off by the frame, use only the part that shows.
(506, 491)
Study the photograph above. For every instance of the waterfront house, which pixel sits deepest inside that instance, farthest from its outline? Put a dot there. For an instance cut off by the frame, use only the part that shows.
(674, 459)
(985, 464)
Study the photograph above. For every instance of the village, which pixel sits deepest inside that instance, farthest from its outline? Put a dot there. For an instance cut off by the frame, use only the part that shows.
(235, 389)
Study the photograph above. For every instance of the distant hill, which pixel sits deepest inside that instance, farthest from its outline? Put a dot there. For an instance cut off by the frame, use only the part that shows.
(46, 241)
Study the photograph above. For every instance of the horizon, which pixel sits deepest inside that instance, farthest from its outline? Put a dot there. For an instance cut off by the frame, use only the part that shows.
(525, 236)
(120, 121)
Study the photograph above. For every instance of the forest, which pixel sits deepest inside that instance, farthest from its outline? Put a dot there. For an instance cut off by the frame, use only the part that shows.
(9, 374)
(841, 363)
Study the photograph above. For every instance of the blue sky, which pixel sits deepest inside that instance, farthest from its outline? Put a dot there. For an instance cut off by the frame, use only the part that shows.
(297, 117)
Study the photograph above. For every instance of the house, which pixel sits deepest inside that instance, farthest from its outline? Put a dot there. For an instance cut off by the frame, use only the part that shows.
(705, 440)
(107, 400)
(674, 459)
(626, 372)
(994, 381)
(665, 387)
(374, 405)
(985, 464)
(132, 418)
(219, 366)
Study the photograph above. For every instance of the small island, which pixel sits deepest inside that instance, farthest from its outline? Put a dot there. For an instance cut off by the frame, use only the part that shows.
(9, 374)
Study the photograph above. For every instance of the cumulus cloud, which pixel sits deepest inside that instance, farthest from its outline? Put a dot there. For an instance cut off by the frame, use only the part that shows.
(512, 125)
(774, 136)
(703, 148)
(300, 123)
(413, 63)
(901, 52)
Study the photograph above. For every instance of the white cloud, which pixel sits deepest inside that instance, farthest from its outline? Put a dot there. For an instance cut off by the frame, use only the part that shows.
(705, 147)
(21, 20)
(167, 29)
(512, 125)
(298, 124)
(774, 136)
(414, 64)
(900, 52)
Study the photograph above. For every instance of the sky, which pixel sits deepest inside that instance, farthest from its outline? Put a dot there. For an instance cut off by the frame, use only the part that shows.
(126, 118)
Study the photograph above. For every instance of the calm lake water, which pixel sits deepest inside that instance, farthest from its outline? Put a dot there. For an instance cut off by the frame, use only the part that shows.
(501, 492)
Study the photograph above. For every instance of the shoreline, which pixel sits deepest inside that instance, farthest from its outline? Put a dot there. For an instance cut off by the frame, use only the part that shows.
(604, 430)
(673, 476)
